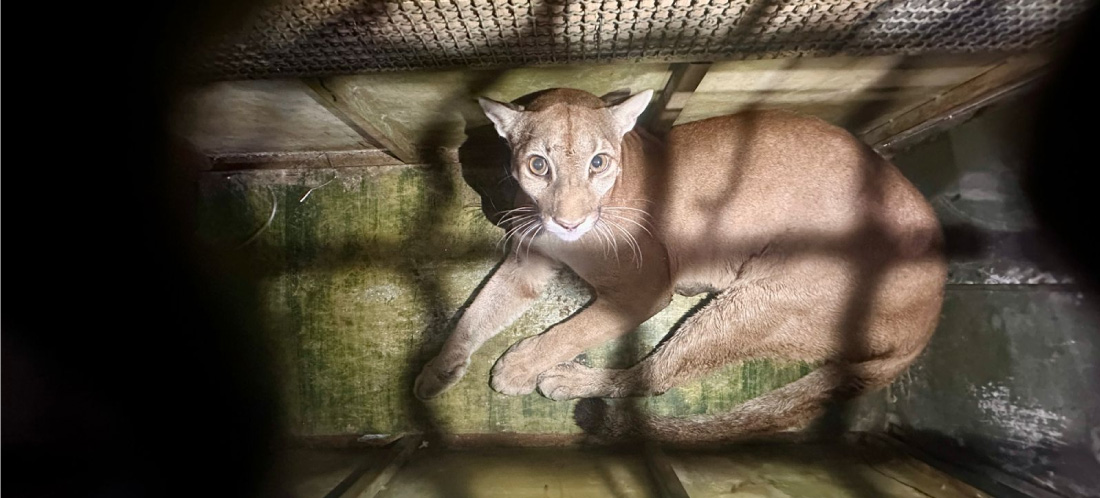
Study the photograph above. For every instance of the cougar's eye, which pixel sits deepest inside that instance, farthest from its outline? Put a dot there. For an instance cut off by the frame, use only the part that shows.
(599, 163)
(538, 165)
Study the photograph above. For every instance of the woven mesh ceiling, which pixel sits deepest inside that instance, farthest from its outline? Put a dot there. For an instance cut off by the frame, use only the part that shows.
(324, 37)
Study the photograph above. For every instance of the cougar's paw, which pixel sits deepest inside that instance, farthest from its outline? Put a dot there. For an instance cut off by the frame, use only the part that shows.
(595, 417)
(518, 369)
(572, 380)
(438, 376)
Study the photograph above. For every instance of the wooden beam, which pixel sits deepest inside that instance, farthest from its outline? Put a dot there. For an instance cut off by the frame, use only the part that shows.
(888, 457)
(344, 99)
(968, 471)
(660, 467)
(1000, 82)
(367, 480)
(302, 160)
(681, 84)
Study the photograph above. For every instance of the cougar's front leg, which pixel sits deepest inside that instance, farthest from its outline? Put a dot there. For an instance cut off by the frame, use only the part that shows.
(608, 317)
(507, 294)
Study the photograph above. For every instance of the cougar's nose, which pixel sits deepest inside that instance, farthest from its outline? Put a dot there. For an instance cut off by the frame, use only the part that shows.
(569, 224)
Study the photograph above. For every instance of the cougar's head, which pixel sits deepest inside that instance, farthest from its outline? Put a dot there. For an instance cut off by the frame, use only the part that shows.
(566, 154)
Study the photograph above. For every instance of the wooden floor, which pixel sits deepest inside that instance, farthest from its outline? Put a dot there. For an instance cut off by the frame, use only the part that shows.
(861, 470)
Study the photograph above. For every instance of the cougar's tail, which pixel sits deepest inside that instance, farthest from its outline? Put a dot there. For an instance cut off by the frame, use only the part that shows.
(788, 408)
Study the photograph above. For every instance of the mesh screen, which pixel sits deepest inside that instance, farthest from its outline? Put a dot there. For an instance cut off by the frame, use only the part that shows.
(322, 37)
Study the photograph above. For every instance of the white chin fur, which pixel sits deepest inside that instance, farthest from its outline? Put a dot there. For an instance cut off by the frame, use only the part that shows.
(570, 236)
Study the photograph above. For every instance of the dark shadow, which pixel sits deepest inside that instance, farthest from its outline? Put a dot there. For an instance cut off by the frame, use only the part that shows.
(486, 167)
(128, 359)
(1059, 192)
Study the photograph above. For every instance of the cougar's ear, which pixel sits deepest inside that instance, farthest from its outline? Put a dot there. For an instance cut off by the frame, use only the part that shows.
(504, 116)
(625, 114)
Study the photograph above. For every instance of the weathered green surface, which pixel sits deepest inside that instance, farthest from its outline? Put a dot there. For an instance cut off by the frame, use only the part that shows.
(361, 281)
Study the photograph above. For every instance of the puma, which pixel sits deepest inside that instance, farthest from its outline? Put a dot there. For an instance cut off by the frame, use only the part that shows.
(812, 247)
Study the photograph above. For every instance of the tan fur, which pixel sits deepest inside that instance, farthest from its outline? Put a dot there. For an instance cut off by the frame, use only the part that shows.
(814, 247)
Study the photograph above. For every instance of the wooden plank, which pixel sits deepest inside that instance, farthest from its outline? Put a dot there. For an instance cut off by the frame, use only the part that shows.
(660, 466)
(987, 88)
(988, 479)
(367, 480)
(237, 117)
(436, 108)
(343, 98)
(890, 460)
(683, 81)
(951, 117)
(852, 92)
(302, 160)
